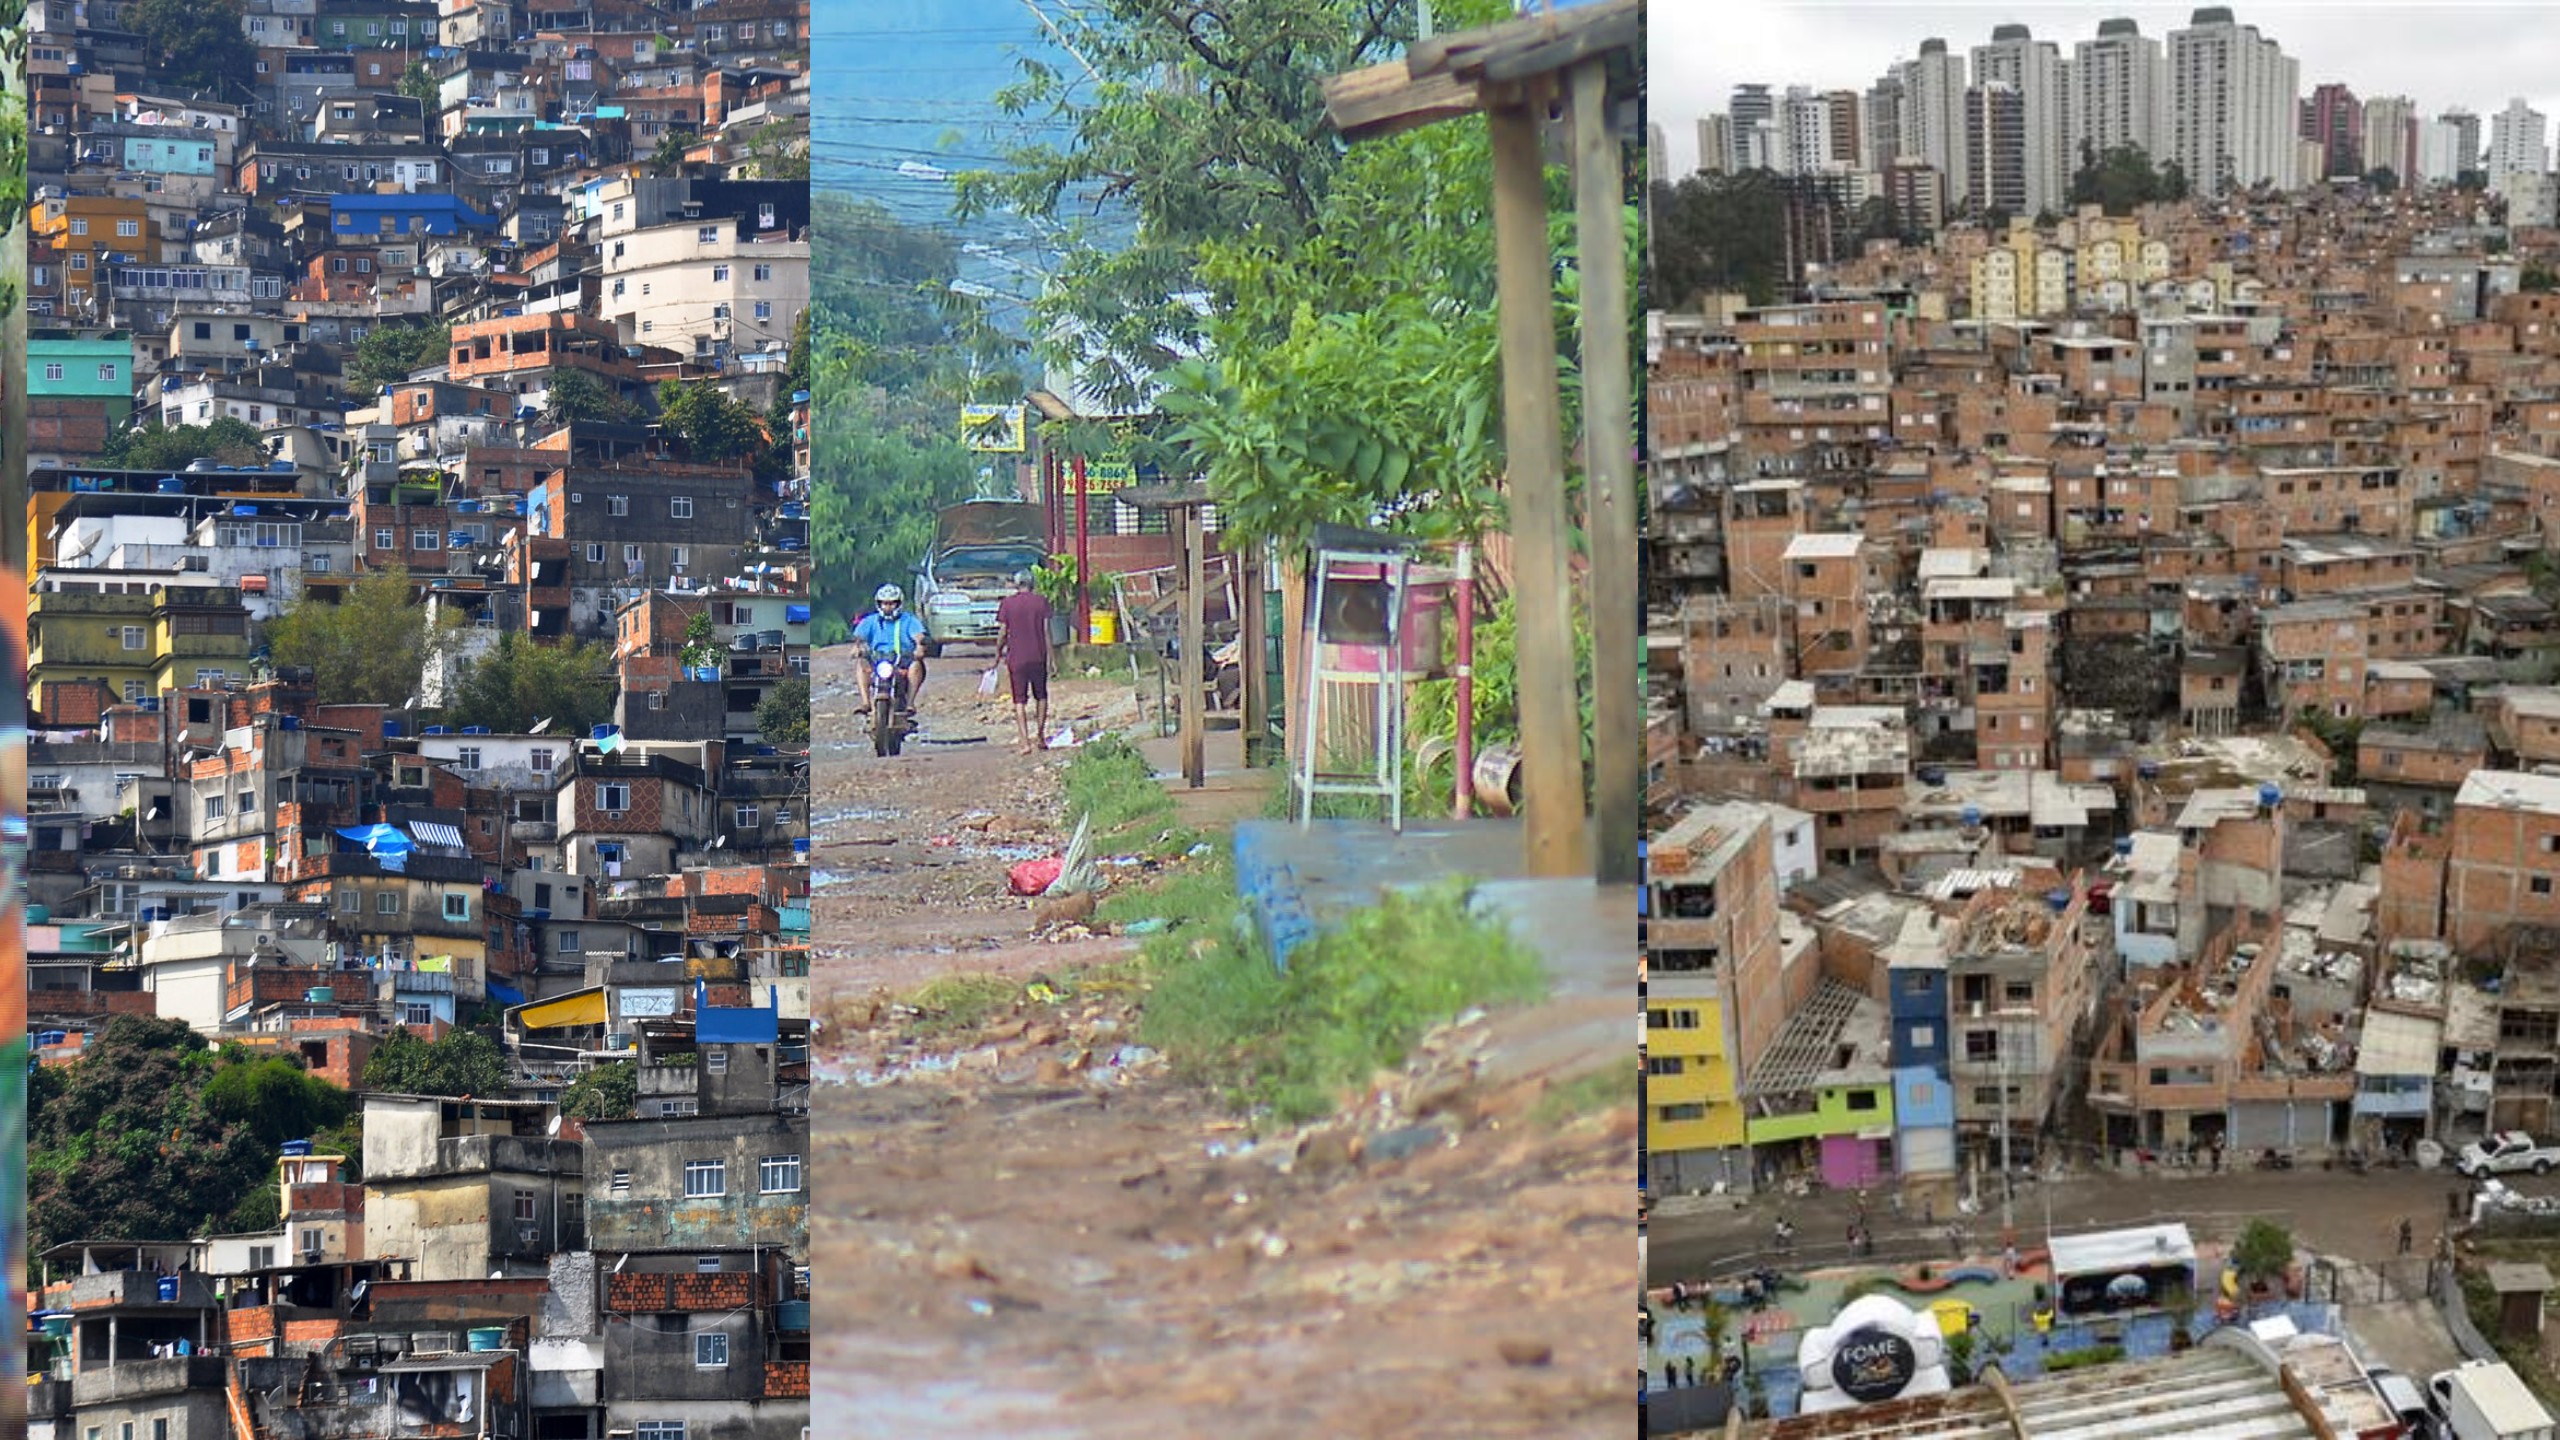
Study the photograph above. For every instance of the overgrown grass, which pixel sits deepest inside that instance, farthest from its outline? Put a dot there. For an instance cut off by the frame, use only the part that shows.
(1202, 892)
(958, 1002)
(1610, 1087)
(1113, 786)
(1354, 1001)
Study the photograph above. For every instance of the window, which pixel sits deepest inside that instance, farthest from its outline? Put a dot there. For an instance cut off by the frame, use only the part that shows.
(53, 370)
(614, 798)
(1982, 1044)
(719, 274)
(1923, 1036)
(707, 235)
(779, 1174)
(680, 507)
(133, 637)
(524, 1205)
(1664, 1065)
(621, 1182)
(385, 540)
(426, 539)
(617, 504)
(711, 1351)
(2541, 884)
(351, 901)
(749, 817)
(659, 1430)
(1692, 1111)
(679, 556)
(246, 803)
(213, 807)
(468, 757)
(418, 1014)
(1862, 1099)
(764, 272)
(764, 309)
(595, 554)
(457, 907)
(716, 1061)
(387, 902)
(706, 1179)
(538, 758)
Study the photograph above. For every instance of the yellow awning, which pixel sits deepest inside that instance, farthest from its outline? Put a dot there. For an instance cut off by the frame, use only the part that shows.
(584, 1008)
(435, 964)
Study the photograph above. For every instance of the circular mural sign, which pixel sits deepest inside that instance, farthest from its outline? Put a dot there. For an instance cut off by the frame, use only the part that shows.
(1873, 1364)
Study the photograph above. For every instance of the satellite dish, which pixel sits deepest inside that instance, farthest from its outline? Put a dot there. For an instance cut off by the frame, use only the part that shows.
(540, 725)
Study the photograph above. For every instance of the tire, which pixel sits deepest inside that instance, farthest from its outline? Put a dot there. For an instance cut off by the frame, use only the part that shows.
(2541, 1167)
(884, 727)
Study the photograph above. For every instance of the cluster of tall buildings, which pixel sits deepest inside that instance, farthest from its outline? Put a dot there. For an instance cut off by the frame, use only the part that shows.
(2003, 127)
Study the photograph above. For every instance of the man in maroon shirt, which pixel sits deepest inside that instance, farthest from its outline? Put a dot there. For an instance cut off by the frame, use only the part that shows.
(1022, 623)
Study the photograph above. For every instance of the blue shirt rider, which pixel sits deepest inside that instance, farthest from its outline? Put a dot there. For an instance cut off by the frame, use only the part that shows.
(890, 628)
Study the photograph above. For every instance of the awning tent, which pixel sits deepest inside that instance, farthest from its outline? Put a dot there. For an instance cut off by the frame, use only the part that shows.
(2086, 1267)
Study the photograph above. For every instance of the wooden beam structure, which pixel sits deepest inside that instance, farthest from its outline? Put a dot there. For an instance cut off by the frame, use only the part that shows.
(1195, 637)
(1609, 494)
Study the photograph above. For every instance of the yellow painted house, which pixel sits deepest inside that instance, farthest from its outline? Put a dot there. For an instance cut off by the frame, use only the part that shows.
(1693, 1105)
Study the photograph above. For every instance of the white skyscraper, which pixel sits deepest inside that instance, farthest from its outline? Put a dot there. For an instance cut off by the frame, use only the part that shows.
(1931, 115)
(2390, 137)
(2032, 68)
(2118, 95)
(1657, 154)
(1804, 132)
(1752, 108)
(2519, 144)
(2440, 157)
(2234, 103)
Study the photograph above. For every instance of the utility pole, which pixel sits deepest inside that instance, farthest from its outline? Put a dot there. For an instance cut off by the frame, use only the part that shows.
(2003, 1034)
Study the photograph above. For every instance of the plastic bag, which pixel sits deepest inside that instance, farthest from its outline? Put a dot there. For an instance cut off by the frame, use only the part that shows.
(987, 682)
(1034, 877)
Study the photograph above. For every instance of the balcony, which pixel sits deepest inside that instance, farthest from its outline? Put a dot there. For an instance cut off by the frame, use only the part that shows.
(129, 1380)
(129, 1287)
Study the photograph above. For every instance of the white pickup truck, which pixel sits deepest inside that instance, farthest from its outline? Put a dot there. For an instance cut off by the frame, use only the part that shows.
(2505, 1153)
(2485, 1400)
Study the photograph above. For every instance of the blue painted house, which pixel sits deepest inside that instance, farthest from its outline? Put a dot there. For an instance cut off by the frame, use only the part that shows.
(359, 217)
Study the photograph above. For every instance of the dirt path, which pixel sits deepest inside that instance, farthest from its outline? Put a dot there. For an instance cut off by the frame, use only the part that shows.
(1025, 1228)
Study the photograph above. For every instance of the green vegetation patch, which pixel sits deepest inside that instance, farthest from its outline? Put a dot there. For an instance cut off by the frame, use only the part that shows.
(1612, 1087)
(1114, 787)
(1353, 1002)
(958, 1002)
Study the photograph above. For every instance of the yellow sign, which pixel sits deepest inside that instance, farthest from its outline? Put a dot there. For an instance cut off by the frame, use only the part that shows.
(993, 429)
(1101, 477)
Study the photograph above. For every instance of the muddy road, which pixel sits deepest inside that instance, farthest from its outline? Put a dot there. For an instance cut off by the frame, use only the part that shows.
(1023, 1227)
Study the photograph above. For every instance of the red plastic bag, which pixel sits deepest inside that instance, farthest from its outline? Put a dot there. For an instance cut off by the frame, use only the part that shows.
(1034, 877)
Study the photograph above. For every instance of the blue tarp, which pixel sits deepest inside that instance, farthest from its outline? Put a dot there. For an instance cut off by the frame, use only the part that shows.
(795, 614)
(505, 994)
(384, 842)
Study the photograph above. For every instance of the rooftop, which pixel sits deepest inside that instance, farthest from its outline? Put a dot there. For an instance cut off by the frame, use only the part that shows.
(2511, 790)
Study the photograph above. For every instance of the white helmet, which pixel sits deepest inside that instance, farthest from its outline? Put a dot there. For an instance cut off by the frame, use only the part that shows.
(889, 592)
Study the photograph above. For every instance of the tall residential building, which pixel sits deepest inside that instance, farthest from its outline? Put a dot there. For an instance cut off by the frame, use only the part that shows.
(2466, 140)
(2391, 137)
(1932, 116)
(2118, 94)
(2441, 158)
(2033, 69)
(1752, 107)
(1715, 144)
(1848, 131)
(1995, 150)
(2333, 120)
(1804, 133)
(1883, 140)
(1657, 154)
(2519, 143)
(2232, 110)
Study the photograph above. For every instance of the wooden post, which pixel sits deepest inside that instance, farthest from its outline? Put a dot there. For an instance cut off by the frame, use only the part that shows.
(1550, 727)
(1608, 444)
(1294, 659)
(1254, 655)
(1195, 720)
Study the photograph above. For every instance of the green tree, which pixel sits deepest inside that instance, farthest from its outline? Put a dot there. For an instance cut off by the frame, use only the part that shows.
(225, 441)
(388, 353)
(573, 395)
(419, 84)
(520, 681)
(2123, 179)
(610, 1091)
(668, 157)
(2264, 1250)
(193, 44)
(2383, 178)
(778, 152)
(783, 718)
(1200, 129)
(373, 644)
(713, 427)
(2538, 279)
(464, 1062)
(1714, 232)
(143, 1136)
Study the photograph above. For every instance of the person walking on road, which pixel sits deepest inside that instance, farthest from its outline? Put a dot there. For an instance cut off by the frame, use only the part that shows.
(2405, 1236)
(1022, 627)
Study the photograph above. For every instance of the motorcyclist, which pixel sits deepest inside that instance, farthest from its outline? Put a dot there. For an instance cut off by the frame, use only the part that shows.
(890, 630)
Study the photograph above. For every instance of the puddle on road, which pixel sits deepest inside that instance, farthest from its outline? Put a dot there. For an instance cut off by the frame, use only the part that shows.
(859, 813)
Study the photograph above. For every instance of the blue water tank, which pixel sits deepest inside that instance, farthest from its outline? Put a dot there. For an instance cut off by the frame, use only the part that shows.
(2270, 796)
(394, 729)
(2060, 900)
(437, 730)
(598, 732)
(2124, 846)
(1972, 816)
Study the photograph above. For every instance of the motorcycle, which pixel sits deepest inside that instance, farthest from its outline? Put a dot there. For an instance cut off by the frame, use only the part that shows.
(2274, 1160)
(892, 721)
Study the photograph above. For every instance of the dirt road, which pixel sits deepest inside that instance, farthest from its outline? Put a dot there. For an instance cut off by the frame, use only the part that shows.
(1024, 1228)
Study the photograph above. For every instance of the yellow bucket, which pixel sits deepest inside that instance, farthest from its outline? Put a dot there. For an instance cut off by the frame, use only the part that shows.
(1104, 627)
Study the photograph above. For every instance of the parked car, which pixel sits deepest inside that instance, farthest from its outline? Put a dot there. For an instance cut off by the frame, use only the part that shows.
(2486, 1400)
(2406, 1401)
(978, 546)
(2505, 1153)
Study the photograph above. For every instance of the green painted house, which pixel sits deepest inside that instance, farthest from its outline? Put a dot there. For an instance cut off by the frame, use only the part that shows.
(93, 369)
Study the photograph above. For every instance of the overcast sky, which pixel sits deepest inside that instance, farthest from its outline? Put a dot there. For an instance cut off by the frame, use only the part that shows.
(2440, 55)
